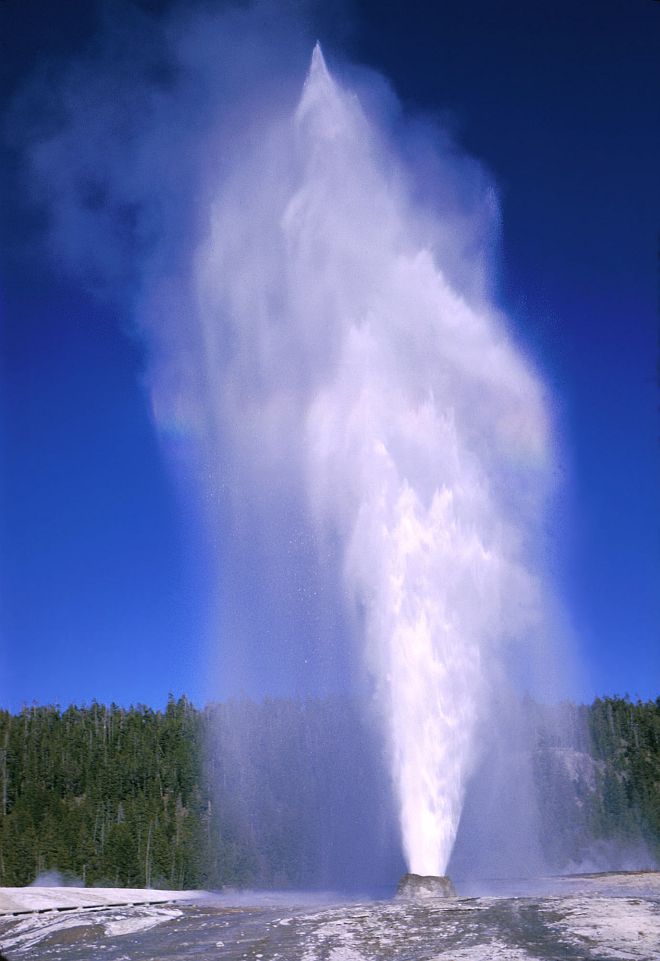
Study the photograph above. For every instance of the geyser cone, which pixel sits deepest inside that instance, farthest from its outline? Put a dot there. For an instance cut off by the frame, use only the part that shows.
(414, 886)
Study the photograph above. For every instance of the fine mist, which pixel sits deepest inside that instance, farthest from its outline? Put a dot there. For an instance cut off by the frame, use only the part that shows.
(312, 274)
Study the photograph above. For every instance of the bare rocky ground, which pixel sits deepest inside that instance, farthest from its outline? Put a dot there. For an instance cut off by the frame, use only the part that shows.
(587, 918)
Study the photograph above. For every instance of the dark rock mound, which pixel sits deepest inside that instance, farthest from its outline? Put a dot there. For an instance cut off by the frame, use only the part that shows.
(425, 886)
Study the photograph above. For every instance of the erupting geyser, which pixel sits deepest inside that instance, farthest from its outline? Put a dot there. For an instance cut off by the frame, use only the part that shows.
(314, 289)
(366, 360)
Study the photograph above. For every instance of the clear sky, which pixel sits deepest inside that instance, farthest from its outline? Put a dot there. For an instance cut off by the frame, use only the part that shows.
(105, 583)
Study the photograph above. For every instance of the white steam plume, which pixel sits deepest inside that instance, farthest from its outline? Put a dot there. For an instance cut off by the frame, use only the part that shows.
(329, 338)
(419, 431)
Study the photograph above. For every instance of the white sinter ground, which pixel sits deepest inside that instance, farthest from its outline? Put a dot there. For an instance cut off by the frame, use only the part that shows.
(250, 926)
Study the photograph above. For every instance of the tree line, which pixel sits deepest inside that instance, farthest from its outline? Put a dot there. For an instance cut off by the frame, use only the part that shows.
(249, 793)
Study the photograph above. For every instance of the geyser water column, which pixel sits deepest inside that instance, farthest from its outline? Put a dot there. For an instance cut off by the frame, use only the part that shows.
(345, 363)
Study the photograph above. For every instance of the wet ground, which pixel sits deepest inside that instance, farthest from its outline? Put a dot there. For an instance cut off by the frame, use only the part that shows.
(582, 919)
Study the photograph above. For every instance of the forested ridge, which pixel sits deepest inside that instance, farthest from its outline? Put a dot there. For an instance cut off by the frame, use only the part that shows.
(133, 797)
(104, 793)
(598, 782)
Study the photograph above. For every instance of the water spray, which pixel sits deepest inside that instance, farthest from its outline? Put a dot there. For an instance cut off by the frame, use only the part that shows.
(417, 431)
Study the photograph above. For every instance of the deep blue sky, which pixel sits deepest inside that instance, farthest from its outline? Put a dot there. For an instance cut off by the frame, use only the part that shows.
(103, 582)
